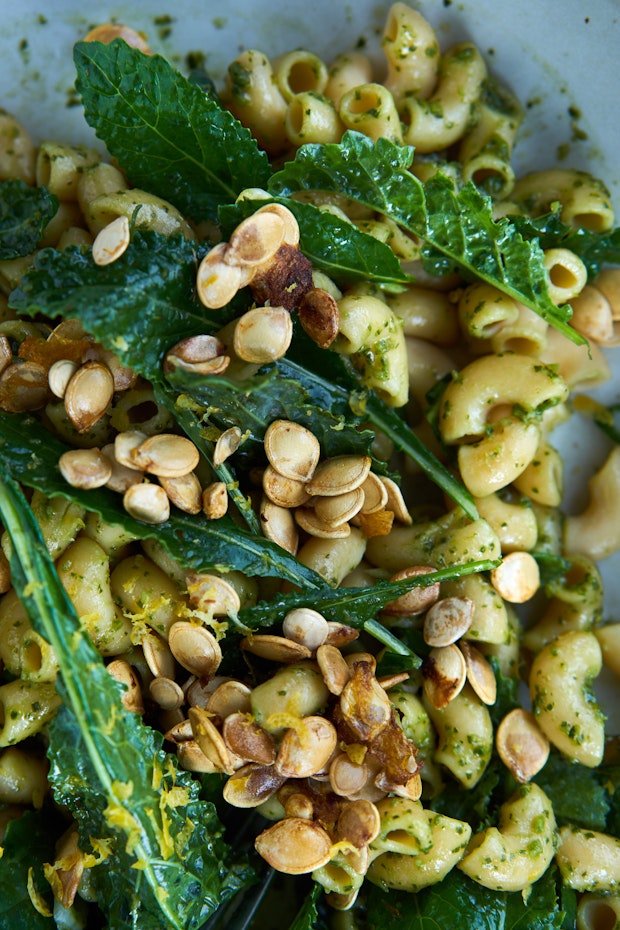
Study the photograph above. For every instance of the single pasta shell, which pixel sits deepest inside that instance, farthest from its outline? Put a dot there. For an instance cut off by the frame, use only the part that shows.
(295, 846)
(339, 474)
(292, 449)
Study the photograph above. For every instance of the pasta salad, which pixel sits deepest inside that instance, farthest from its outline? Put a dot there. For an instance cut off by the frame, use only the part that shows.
(294, 624)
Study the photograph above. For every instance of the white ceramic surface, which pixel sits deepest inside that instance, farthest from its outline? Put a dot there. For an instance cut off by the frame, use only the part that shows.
(558, 55)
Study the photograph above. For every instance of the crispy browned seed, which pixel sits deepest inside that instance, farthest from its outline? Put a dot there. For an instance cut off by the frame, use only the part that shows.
(299, 805)
(123, 672)
(334, 669)
(227, 443)
(107, 32)
(217, 281)
(337, 510)
(248, 740)
(305, 750)
(192, 758)
(230, 697)
(479, 673)
(517, 578)
(158, 655)
(180, 732)
(283, 280)
(360, 658)
(204, 354)
(447, 620)
(391, 681)
(364, 704)
(521, 744)
(212, 594)
(124, 444)
(263, 335)
(199, 690)
(121, 477)
(195, 648)
(85, 468)
(295, 846)
(278, 525)
(375, 494)
(285, 492)
(418, 599)
(147, 502)
(308, 520)
(412, 789)
(112, 241)
(123, 376)
(359, 823)
(166, 455)
(292, 449)
(184, 492)
(24, 386)
(396, 501)
(167, 693)
(88, 395)
(444, 675)
(211, 740)
(60, 374)
(347, 777)
(306, 626)
(214, 500)
(256, 239)
(340, 634)
(252, 784)
(291, 226)
(339, 474)
(275, 648)
(319, 316)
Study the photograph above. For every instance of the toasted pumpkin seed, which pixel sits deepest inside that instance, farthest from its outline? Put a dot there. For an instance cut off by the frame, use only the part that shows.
(334, 511)
(124, 444)
(212, 594)
(124, 673)
(158, 655)
(334, 669)
(275, 648)
(184, 492)
(204, 354)
(444, 673)
(339, 474)
(319, 316)
(521, 744)
(248, 740)
(308, 520)
(60, 374)
(214, 500)
(112, 241)
(256, 239)
(121, 478)
(295, 846)
(227, 443)
(85, 468)
(251, 785)
(340, 634)
(167, 693)
(147, 502)
(263, 335)
(192, 758)
(285, 492)
(359, 823)
(447, 620)
(517, 578)
(299, 805)
(194, 648)
(166, 455)
(211, 740)
(305, 749)
(25, 386)
(375, 494)
(217, 281)
(396, 501)
(306, 626)
(292, 449)
(230, 697)
(291, 226)
(418, 599)
(347, 777)
(88, 395)
(278, 525)
(480, 675)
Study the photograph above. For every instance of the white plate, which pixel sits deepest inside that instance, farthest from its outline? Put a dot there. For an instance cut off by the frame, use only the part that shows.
(559, 56)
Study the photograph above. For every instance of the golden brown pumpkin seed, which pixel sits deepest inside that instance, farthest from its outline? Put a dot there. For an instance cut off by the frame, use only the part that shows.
(25, 386)
(292, 449)
(212, 594)
(85, 468)
(396, 501)
(211, 740)
(204, 354)
(291, 226)
(306, 749)
(192, 758)
(124, 445)
(184, 492)
(167, 693)
(391, 681)
(334, 669)
(340, 634)
(306, 626)
(275, 648)
(411, 790)
(278, 525)
(227, 444)
(521, 744)
(308, 520)
(107, 32)
(252, 784)
(418, 599)
(195, 648)
(319, 316)
(375, 494)
(111, 241)
(347, 777)
(60, 374)
(285, 492)
(88, 395)
(364, 704)
(230, 697)
(157, 655)
(123, 376)
(198, 691)
(517, 578)
(256, 239)
(124, 673)
(447, 620)
(166, 455)
(121, 478)
(299, 805)
(339, 474)
(180, 732)
(147, 502)
(295, 846)
(248, 740)
(479, 673)
(337, 510)
(263, 335)
(359, 823)
(444, 675)
(214, 500)
(217, 282)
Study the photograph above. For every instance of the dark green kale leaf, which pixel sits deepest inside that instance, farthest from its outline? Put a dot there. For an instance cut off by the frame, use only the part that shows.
(25, 211)
(139, 306)
(579, 794)
(332, 244)
(27, 844)
(595, 249)
(308, 914)
(167, 134)
(456, 226)
(169, 865)
(30, 453)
